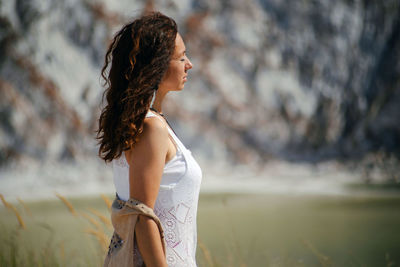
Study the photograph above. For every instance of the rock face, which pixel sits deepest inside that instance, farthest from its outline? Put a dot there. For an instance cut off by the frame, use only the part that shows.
(299, 80)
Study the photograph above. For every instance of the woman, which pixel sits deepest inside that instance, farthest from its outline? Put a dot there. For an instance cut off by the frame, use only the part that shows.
(146, 60)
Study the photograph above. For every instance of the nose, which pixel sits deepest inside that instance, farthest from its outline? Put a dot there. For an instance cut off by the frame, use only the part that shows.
(188, 65)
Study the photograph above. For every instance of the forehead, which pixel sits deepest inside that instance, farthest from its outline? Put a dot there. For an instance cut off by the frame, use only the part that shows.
(179, 45)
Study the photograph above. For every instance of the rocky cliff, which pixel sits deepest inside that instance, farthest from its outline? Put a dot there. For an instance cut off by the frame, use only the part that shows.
(296, 80)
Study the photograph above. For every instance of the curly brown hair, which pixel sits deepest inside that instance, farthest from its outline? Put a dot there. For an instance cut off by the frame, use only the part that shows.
(138, 56)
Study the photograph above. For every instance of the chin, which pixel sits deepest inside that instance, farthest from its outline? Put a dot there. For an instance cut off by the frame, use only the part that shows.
(180, 88)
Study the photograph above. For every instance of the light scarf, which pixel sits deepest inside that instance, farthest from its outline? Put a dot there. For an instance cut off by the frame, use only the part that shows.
(124, 215)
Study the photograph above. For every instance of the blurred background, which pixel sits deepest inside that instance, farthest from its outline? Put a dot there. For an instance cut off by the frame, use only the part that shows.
(285, 98)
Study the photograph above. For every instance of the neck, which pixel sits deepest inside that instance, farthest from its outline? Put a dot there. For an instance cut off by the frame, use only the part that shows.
(159, 98)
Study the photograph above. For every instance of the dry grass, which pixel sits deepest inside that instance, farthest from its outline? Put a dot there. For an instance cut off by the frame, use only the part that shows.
(206, 254)
(27, 210)
(19, 217)
(5, 203)
(102, 238)
(324, 260)
(99, 232)
(107, 201)
(104, 219)
(68, 204)
(94, 222)
(95, 227)
(14, 251)
(11, 207)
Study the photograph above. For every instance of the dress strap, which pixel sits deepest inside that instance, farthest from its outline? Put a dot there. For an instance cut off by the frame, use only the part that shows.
(151, 114)
(171, 131)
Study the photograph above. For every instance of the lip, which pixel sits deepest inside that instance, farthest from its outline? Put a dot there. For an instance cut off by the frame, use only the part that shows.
(185, 78)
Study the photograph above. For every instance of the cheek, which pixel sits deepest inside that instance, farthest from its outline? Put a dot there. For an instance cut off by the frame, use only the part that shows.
(176, 71)
(167, 75)
(174, 74)
(176, 68)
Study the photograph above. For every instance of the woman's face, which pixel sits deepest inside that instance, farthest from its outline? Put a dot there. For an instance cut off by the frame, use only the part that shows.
(176, 74)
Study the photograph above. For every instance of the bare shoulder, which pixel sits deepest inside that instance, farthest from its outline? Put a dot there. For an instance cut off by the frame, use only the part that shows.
(152, 140)
(153, 126)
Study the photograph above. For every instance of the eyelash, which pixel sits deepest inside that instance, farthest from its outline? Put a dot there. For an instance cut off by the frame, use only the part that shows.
(184, 58)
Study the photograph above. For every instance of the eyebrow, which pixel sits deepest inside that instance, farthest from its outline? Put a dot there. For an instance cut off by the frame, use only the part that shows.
(182, 53)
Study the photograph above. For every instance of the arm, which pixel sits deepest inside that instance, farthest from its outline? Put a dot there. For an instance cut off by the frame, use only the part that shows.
(147, 161)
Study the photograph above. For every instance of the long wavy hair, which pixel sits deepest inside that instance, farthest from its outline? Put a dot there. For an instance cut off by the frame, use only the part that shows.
(137, 59)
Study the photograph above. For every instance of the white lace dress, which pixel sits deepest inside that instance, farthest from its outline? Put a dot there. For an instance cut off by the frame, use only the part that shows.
(176, 204)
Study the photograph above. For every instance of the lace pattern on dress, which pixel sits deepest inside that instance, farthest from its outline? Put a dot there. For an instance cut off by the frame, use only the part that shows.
(176, 207)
